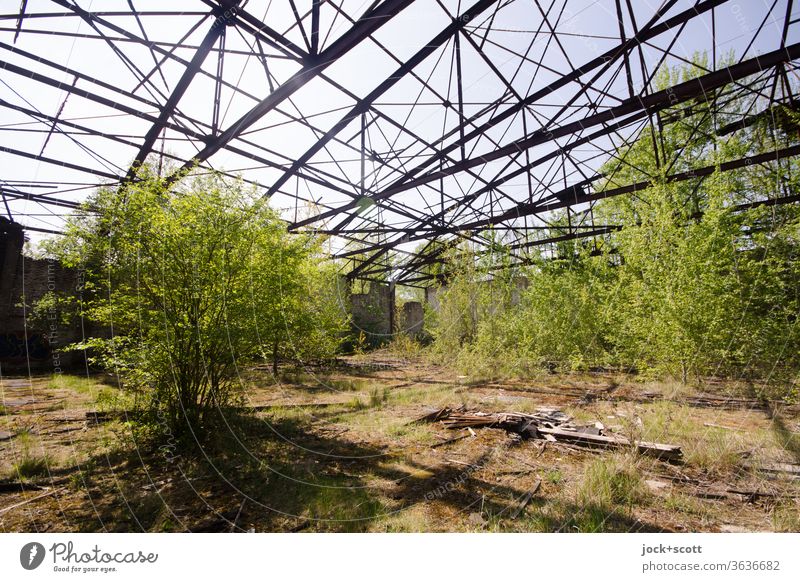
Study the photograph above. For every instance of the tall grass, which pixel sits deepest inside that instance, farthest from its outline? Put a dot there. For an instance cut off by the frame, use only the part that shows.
(614, 482)
(32, 465)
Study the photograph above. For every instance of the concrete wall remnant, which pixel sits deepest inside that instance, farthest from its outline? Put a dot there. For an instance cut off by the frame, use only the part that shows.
(412, 319)
(373, 313)
(432, 298)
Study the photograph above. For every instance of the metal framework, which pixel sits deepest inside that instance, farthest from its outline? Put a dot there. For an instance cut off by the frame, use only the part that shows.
(398, 127)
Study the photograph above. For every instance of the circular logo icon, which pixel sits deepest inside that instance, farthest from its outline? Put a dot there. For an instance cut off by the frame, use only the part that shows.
(31, 555)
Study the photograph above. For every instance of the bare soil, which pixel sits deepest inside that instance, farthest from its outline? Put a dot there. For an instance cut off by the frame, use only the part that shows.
(336, 449)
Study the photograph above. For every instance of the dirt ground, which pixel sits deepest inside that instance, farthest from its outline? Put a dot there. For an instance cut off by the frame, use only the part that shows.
(336, 449)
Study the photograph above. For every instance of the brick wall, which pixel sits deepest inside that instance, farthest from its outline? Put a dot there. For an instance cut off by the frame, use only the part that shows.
(23, 345)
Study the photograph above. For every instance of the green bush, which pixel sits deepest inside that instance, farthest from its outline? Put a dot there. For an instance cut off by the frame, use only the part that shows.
(191, 281)
(687, 286)
(30, 465)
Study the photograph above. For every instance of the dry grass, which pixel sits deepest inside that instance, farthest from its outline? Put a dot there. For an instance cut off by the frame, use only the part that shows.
(32, 465)
(357, 462)
(713, 449)
(786, 516)
(614, 480)
(412, 520)
(405, 347)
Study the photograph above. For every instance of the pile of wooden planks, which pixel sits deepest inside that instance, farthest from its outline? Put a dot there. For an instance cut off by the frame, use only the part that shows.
(552, 425)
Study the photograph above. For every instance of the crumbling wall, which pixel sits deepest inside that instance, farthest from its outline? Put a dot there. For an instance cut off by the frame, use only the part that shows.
(373, 313)
(412, 319)
(23, 344)
(432, 299)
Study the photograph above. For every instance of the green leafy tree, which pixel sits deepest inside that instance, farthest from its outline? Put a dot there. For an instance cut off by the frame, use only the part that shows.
(695, 282)
(189, 284)
(703, 286)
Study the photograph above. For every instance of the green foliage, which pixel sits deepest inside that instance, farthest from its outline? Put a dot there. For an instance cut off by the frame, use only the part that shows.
(561, 320)
(470, 299)
(704, 288)
(53, 309)
(688, 286)
(32, 465)
(185, 285)
(612, 482)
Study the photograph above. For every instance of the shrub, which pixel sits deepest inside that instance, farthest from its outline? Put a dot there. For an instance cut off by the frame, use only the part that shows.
(191, 282)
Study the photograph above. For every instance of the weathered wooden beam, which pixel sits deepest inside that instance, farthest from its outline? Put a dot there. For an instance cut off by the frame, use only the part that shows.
(657, 450)
(550, 425)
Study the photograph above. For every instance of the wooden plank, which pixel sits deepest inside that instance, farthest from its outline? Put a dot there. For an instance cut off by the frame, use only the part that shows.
(31, 500)
(658, 450)
(433, 416)
(546, 425)
(526, 499)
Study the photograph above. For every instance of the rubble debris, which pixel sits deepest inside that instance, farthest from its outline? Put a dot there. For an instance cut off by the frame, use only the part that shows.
(552, 425)
(514, 439)
(436, 415)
